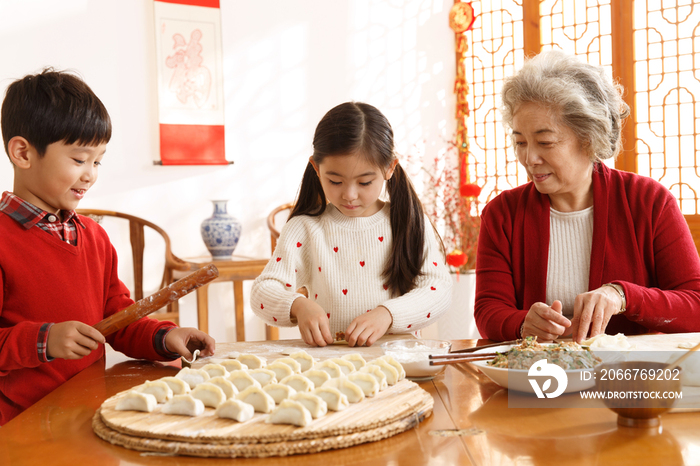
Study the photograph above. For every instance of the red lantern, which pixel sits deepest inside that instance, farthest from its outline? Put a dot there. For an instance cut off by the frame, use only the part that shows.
(469, 190)
(456, 259)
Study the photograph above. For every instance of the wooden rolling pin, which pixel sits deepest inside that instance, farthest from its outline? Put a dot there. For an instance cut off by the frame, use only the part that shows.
(170, 293)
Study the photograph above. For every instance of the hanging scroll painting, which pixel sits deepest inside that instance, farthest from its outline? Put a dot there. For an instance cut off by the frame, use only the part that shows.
(190, 82)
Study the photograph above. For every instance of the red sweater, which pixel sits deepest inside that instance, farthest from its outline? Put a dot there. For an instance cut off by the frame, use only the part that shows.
(640, 241)
(43, 279)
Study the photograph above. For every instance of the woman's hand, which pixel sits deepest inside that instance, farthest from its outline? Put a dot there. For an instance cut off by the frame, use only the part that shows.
(72, 340)
(184, 341)
(592, 311)
(312, 321)
(545, 322)
(369, 327)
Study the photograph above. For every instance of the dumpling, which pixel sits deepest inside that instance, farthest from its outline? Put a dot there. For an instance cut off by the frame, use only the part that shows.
(193, 377)
(159, 389)
(280, 369)
(397, 365)
(347, 388)
(184, 405)
(278, 391)
(331, 367)
(264, 376)
(333, 398)
(225, 385)
(243, 380)
(298, 382)
(136, 401)
(392, 375)
(215, 370)
(252, 361)
(317, 376)
(304, 359)
(233, 365)
(236, 410)
(356, 359)
(314, 403)
(210, 394)
(376, 372)
(255, 396)
(232, 355)
(292, 363)
(346, 366)
(366, 382)
(290, 412)
(178, 386)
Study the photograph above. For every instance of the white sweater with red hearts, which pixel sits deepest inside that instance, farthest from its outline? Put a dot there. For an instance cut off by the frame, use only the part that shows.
(339, 260)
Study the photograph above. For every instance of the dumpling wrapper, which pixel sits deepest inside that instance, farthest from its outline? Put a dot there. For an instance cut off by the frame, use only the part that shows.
(334, 399)
(376, 372)
(137, 401)
(299, 382)
(225, 385)
(264, 376)
(159, 389)
(317, 376)
(255, 396)
(183, 405)
(279, 391)
(356, 359)
(290, 412)
(178, 386)
(314, 403)
(331, 367)
(346, 366)
(215, 370)
(347, 388)
(392, 375)
(210, 394)
(367, 383)
(292, 363)
(233, 365)
(242, 380)
(397, 365)
(193, 377)
(280, 369)
(305, 360)
(252, 361)
(236, 410)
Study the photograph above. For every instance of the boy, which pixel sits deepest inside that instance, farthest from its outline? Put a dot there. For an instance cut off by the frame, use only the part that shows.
(56, 266)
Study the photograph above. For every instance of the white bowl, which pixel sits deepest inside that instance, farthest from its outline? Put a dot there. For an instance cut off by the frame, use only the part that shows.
(413, 356)
(517, 379)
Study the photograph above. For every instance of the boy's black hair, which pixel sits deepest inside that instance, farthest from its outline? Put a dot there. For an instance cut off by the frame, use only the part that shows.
(54, 106)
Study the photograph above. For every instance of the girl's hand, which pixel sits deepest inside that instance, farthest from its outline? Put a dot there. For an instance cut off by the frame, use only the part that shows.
(313, 322)
(545, 322)
(592, 311)
(72, 340)
(184, 341)
(369, 327)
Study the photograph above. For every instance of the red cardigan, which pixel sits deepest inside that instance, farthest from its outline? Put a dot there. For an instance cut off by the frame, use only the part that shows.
(43, 279)
(640, 241)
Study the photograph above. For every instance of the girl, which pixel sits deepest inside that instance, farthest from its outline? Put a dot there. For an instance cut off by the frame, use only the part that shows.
(369, 266)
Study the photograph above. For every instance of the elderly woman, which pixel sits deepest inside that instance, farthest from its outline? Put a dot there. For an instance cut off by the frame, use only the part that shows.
(582, 249)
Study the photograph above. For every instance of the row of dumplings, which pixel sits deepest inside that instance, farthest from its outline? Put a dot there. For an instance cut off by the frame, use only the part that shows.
(292, 390)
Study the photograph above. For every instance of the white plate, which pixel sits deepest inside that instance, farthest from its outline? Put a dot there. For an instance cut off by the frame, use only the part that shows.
(517, 379)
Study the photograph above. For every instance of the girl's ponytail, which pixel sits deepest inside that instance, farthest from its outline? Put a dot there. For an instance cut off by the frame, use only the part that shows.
(311, 199)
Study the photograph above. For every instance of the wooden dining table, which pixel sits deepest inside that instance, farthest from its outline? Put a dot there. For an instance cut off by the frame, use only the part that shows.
(471, 423)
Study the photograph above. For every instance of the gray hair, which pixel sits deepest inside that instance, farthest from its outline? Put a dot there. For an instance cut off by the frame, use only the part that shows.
(589, 102)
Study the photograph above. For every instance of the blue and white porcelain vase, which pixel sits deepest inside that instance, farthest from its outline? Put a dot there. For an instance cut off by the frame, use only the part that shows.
(221, 232)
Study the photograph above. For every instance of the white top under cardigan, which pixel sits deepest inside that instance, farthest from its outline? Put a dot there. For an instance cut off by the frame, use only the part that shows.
(339, 260)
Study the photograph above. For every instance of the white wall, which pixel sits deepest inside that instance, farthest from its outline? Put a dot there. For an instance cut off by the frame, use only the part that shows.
(286, 62)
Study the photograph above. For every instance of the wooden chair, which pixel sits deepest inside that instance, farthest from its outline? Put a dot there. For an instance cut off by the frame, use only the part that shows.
(272, 222)
(137, 238)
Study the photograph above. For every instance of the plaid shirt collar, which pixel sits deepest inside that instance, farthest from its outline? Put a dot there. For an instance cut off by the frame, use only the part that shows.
(28, 215)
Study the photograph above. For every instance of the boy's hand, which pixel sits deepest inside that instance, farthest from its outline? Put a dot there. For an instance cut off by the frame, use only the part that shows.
(72, 340)
(184, 341)
(313, 322)
(369, 327)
